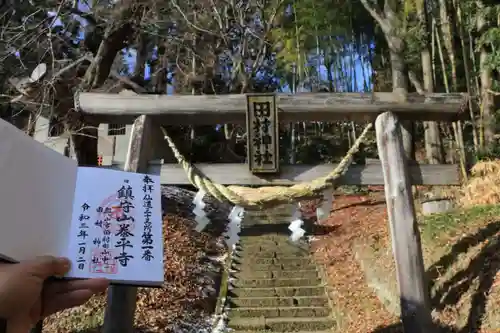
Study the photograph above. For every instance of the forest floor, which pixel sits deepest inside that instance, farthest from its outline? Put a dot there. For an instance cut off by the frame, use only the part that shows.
(192, 264)
(461, 252)
(177, 307)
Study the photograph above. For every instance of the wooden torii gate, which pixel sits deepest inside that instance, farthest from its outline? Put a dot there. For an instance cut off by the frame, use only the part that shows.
(148, 112)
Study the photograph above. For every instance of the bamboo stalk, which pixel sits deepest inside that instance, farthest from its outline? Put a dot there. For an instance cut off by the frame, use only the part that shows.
(455, 125)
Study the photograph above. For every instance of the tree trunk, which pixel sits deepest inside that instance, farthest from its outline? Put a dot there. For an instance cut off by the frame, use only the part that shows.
(467, 71)
(400, 87)
(85, 145)
(393, 29)
(447, 31)
(433, 143)
(487, 101)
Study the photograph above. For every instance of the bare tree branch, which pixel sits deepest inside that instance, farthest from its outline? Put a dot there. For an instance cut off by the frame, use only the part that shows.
(416, 82)
(191, 24)
(374, 9)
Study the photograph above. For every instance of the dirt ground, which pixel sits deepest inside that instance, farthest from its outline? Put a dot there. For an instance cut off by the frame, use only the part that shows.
(353, 218)
(181, 301)
(461, 251)
(462, 261)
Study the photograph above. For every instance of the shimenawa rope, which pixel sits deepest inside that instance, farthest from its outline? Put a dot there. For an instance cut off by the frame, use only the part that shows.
(267, 196)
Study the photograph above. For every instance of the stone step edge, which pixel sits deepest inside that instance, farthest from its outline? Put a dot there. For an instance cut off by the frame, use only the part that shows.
(267, 269)
(273, 271)
(276, 249)
(247, 259)
(283, 287)
(280, 279)
(273, 297)
(263, 259)
(282, 319)
(281, 252)
(278, 307)
(278, 324)
(247, 241)
(271, 267)
(245, 331)
(274, 261)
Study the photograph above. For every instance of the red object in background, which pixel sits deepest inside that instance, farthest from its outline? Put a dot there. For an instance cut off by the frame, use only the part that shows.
(99, 160)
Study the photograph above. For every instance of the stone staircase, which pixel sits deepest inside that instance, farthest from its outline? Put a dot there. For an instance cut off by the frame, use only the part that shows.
(276, 286)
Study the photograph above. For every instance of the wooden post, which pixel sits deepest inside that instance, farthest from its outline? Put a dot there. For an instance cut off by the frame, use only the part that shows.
(414, 297)
(121, 302)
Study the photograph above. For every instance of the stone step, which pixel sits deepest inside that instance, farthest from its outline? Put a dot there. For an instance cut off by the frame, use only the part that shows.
(255, 248)
(267, 331)
(272, 253)
(257, 244)
(273, 312)
(267, 219)
(249, 273)
(290, 266)
(281, 238)
(279, 325)
(309, 291)
(300, 301)
(267, 238)
(251, 261)
(271, 247)
(285, 212)
(268, 283)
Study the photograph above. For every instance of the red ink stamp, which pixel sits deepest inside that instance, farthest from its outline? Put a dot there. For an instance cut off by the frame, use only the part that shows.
(112, 212)
(103, 261)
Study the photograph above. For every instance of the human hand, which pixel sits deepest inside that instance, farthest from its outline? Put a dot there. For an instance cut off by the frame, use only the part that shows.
(26, 296)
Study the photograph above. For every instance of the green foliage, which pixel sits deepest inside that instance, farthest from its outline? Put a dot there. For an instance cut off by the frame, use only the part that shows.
(410, 7)
(229, 33)
(316, 149)
(491, 40)
(491, 152)
(470, 18)
(436, 225)
(291, 51)
(309, 26)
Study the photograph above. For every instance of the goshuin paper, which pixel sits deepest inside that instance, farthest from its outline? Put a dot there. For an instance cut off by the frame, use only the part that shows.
(107, 222)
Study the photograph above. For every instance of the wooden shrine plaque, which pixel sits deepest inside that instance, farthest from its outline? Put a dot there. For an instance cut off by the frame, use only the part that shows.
(262, 133)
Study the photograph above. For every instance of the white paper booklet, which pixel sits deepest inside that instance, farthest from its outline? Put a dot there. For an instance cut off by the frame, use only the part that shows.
(107, 222)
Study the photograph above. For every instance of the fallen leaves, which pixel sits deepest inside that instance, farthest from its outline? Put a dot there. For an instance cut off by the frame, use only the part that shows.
(188, 293)
(353, 218)
(181, 295)
(361, 222)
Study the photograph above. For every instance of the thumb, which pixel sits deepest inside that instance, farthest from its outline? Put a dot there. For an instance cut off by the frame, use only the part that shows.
(46, 266)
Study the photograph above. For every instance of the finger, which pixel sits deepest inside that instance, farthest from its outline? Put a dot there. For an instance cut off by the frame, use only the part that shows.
(46, 266)
(60, 287)
(66, 300)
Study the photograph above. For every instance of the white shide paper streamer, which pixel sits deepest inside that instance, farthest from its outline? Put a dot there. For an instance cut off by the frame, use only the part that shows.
(324, 209)
(232, 234)
(296, 225)
(200, 215)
